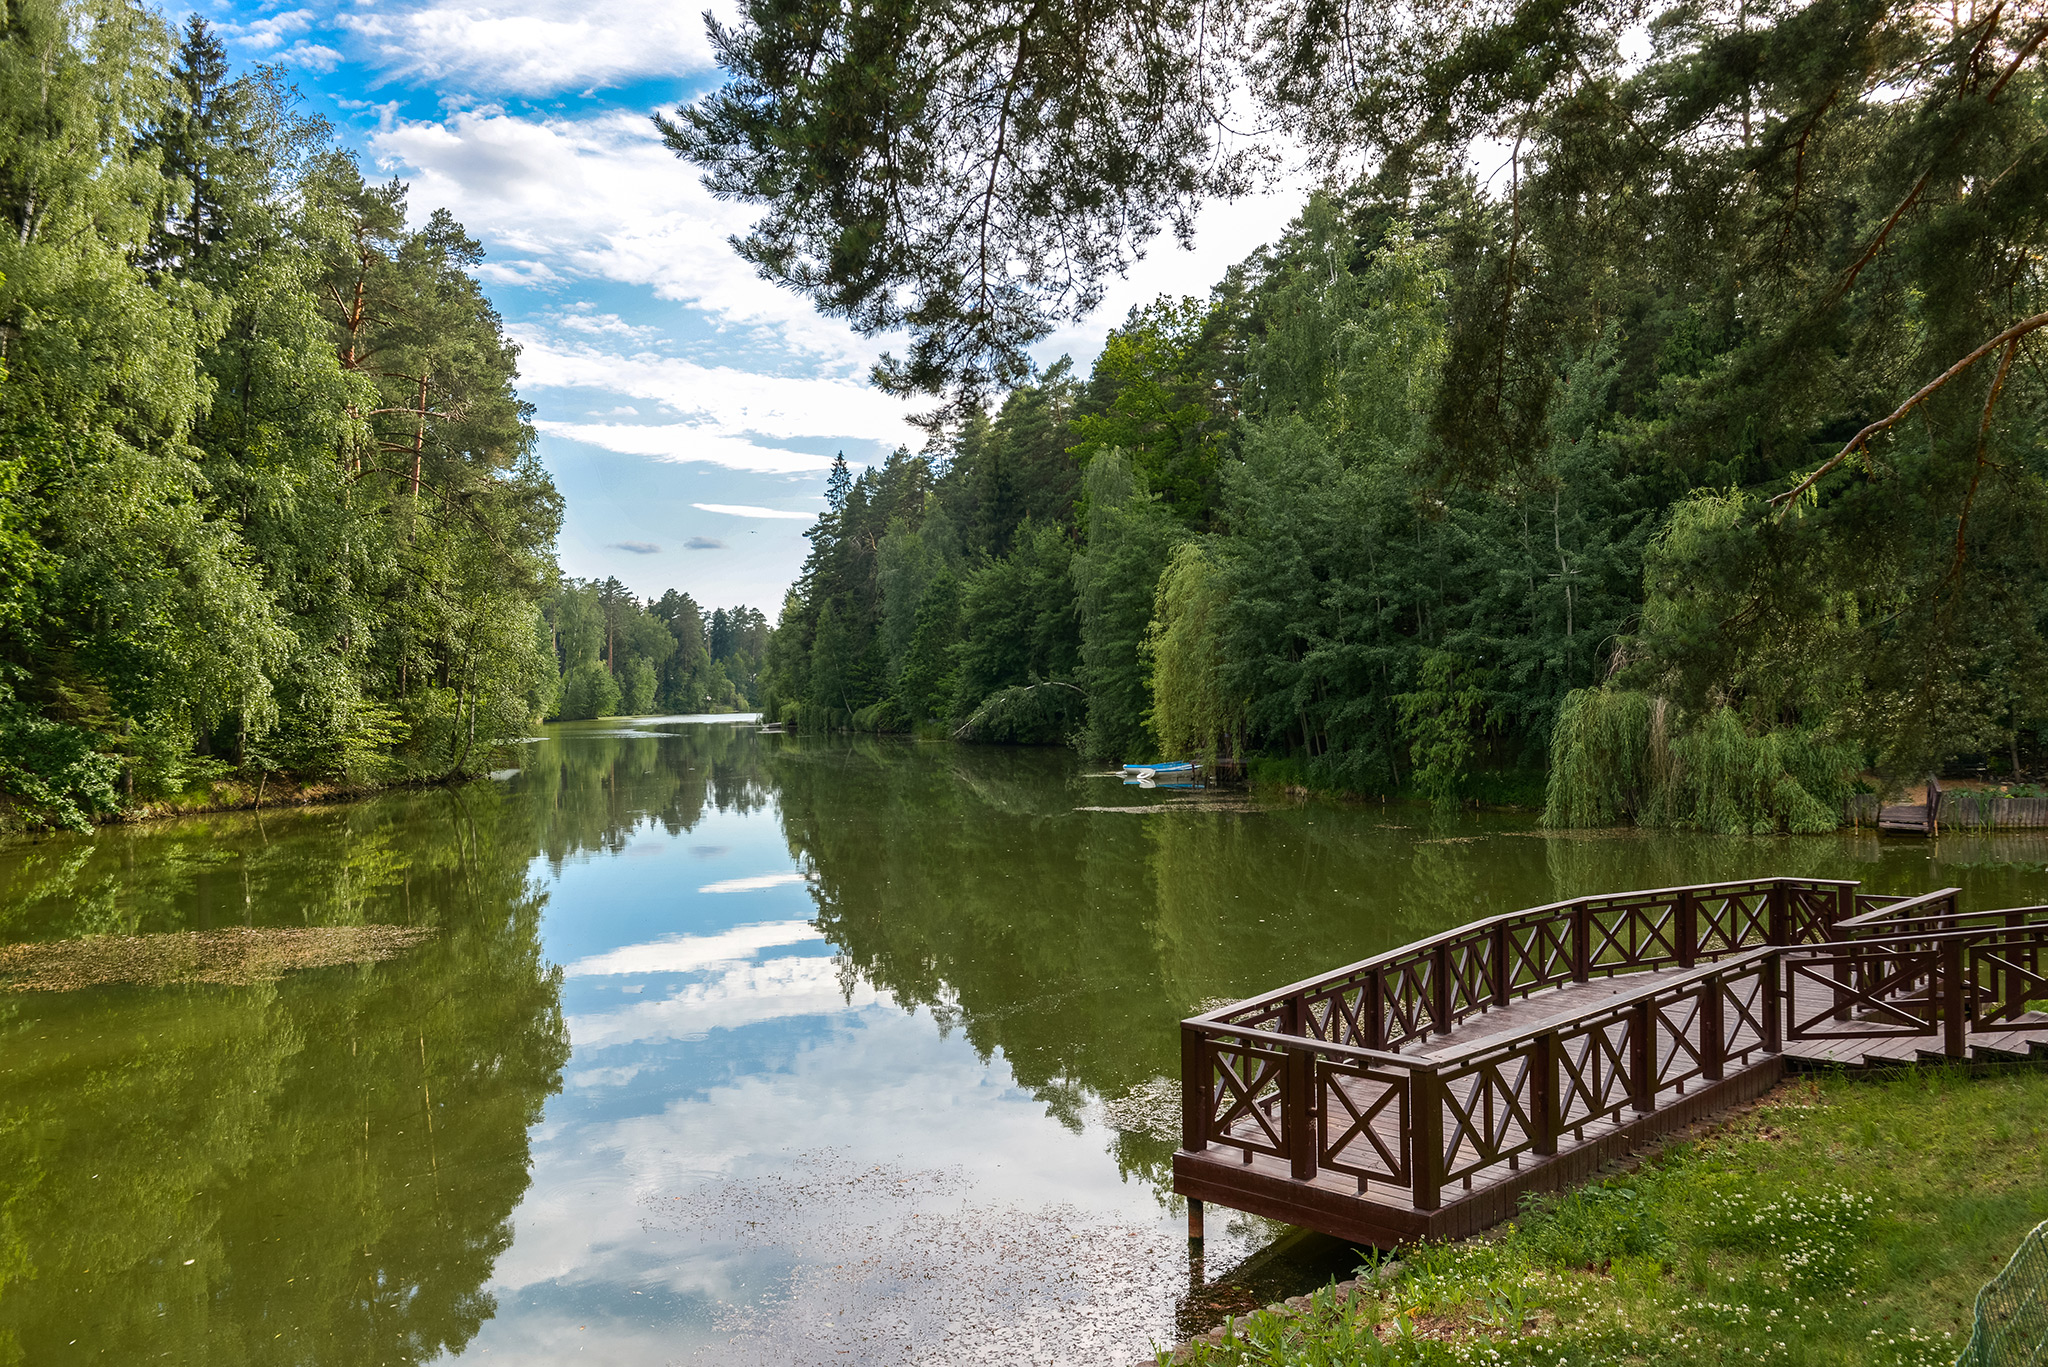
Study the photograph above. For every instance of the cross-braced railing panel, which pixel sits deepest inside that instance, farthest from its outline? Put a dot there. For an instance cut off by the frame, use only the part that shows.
(1406, 991)
(1811, 912)
(1678, 1031)
(1637, 931)
(1539, 952)
(1877, 991)
(1745, 1012)
(1593, 1069)
(1247, 1109)
(1733, 918)
(1469, 965)
(1491, 1109)
(2007, 978)
(1362, 1122)
(1346, 1013)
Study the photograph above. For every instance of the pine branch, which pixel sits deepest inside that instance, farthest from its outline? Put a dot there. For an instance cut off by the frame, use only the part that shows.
(1856, 443)
(1870, 252)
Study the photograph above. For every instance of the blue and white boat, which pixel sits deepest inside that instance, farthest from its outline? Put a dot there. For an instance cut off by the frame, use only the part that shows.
(1163, 774)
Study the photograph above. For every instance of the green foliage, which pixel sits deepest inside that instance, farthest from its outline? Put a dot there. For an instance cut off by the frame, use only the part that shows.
(892, 164)
(925, 682)
(1442, 720)
(53, 770)
(1044, 713)
(233, 541)
(615, 654)
(1725, 780)
(1129, 539)
(588, 690)
(1159, 413)
(1600, 752)
(1191, 714)
(1017, 620)
(1552, 424)
(1618, 754)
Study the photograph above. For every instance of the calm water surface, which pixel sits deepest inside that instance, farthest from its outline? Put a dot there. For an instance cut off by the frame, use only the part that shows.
(730, 1049)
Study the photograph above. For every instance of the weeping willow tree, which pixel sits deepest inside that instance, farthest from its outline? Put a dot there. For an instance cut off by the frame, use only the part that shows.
(1619, 754)
(1192, 714)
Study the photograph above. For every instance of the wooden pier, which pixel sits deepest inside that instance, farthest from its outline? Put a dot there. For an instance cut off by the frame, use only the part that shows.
(1419, 1094)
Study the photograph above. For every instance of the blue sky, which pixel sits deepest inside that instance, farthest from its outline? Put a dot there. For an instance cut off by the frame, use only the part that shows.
(688, 410)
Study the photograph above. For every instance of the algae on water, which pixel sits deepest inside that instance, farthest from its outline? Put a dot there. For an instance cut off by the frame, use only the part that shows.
(234, 957)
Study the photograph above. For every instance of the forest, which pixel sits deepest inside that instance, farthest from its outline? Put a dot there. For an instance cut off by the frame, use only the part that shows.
(270, 514)
(622, 656)
(1680, 463)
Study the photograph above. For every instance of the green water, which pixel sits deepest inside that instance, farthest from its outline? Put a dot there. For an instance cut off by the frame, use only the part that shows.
(730, 1048)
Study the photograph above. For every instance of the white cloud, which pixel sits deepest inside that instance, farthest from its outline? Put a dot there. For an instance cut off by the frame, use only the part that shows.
(602, 198)
(311, 56)
(720, 400)
(681, 443)
(744, 995)
(583, 318)
(538, 47)
(693, 953)
(270, 31)
(755, 884)
(529, 273)
(749, 510)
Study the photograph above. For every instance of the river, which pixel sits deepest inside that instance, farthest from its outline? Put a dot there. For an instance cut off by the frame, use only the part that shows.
(725, 1048)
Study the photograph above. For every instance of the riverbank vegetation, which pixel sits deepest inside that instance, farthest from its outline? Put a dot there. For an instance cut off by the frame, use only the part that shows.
(271, 524)
(1747, 1246)
(1687, 452)
(270, 503)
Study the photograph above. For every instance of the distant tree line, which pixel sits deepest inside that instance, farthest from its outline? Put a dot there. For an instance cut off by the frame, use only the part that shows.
(1687, 456)
(619, 655)
(269, 507)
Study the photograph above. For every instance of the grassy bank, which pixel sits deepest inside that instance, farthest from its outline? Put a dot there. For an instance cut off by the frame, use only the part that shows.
(1837, 1222)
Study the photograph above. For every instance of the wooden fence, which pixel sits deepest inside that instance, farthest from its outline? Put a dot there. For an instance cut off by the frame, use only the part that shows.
(1315, 1074)
(1958, 809)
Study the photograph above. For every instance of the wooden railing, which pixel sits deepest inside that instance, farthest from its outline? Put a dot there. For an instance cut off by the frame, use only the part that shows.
(1431, 986)
(1314, 1075)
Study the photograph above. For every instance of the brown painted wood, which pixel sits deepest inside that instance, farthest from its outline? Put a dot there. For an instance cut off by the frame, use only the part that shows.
(1418, 1094)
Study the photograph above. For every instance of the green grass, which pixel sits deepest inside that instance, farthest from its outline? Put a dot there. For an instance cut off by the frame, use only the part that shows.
(1840, 1222)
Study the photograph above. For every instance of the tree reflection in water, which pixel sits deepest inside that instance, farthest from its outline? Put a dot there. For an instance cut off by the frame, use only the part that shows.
(317, 1169)
(324, 1168)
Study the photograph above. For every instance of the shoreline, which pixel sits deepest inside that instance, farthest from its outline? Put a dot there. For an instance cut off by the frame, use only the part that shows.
(237, 795)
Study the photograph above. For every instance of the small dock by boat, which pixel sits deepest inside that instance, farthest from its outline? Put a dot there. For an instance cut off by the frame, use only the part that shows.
(1956, 809)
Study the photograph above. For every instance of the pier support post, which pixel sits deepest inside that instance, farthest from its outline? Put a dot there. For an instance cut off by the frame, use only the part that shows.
(1543, 1092)
(1642, 1058)
(1713, 1031)
(1195, 1104)
(1773, 1012)
(1194, 1221)
(1426, 1140)
(1954, 1027)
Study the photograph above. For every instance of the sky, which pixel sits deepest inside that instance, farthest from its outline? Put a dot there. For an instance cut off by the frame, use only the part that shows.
(687, 409)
